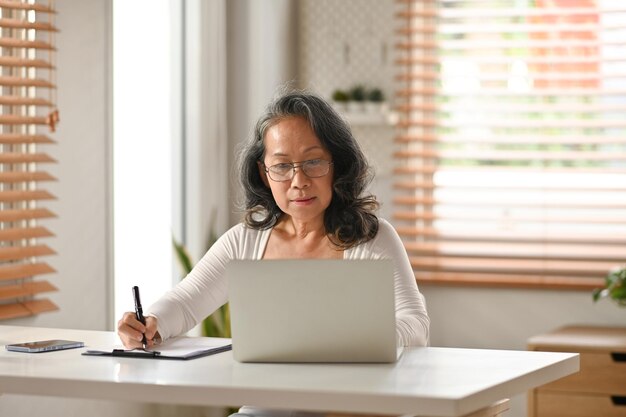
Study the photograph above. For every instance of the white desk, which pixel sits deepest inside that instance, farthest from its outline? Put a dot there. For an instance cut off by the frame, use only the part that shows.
(426, 381)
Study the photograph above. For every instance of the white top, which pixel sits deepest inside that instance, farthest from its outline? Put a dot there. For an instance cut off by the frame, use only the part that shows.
(205, 289)
(426, 381)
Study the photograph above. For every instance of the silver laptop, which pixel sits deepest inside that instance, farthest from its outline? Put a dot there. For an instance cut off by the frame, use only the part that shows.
(312, 311)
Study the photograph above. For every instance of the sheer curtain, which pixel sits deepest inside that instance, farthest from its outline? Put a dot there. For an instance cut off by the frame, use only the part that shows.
(204, 168)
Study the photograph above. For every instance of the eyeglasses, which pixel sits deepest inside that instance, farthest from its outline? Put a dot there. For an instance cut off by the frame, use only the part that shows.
(313, 168)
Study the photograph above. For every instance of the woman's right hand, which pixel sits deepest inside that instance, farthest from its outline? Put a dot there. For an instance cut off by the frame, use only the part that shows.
(131, 331)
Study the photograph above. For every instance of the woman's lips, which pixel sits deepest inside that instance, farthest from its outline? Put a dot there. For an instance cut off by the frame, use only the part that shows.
(303, 201)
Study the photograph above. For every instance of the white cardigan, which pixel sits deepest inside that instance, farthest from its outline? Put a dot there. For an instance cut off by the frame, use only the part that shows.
(205, 289)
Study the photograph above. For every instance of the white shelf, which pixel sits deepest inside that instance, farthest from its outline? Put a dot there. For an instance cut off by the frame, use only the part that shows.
(383, 117)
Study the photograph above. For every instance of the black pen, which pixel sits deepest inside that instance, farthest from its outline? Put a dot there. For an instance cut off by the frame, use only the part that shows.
(139, 312)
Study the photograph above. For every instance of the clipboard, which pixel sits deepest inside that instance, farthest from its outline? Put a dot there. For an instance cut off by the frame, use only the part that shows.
(180, 348)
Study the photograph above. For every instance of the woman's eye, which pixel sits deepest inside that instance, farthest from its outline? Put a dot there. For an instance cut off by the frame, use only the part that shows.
(282, 167)
(314, 162)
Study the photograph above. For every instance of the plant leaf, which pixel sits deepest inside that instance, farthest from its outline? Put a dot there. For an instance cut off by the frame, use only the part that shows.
(183, 256)
(615, 287)
(218, 323)
(596, 294)
(618, 293)
(226, 315)
(209, 329)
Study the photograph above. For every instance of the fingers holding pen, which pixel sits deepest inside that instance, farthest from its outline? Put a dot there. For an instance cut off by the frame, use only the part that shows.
(128, 329)
(152, 335)
(131, 330)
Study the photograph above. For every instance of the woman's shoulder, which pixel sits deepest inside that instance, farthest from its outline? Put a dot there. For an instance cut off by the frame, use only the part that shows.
(385, 227)
(243, 242)
(386, 232)
(385, 241)
(241, 231)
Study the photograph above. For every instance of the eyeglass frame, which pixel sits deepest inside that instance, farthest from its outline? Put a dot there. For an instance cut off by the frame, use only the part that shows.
(293, 168)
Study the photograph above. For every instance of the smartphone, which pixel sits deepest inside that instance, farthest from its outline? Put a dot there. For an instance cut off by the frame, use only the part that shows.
(44, 346)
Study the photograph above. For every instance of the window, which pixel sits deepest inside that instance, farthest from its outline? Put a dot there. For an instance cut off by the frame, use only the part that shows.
(143, 111)
(511, 159)
(28, 114)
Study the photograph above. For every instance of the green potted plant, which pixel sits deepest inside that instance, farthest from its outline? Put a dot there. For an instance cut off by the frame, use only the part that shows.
(614, 287)
(218, 323)
(357, 98)
(341, 99)
(376, 95)
(375, 100)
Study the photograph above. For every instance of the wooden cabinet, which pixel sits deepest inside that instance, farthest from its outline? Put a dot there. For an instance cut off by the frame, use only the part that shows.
(599, 389)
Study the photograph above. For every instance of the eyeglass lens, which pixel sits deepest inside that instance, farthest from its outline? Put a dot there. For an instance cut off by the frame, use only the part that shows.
(313, 169)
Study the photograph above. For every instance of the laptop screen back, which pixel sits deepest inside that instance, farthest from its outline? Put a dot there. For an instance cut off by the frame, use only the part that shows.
(312, 310)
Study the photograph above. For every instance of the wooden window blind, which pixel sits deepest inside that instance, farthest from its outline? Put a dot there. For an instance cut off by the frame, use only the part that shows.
(511, 146)
(28, 112)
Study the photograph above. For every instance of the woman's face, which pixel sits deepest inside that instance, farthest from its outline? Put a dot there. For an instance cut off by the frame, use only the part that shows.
(303, 198)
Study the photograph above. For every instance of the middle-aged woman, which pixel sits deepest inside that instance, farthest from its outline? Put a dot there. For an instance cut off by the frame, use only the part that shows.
(304, 178)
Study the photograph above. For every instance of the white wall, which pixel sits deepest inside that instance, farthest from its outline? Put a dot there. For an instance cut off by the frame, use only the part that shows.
(345, 43)
(261, 58)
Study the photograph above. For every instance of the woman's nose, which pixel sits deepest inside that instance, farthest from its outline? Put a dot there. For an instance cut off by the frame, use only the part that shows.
(300, 179)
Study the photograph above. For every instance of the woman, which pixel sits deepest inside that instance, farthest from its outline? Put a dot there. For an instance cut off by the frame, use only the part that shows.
(304, 178)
